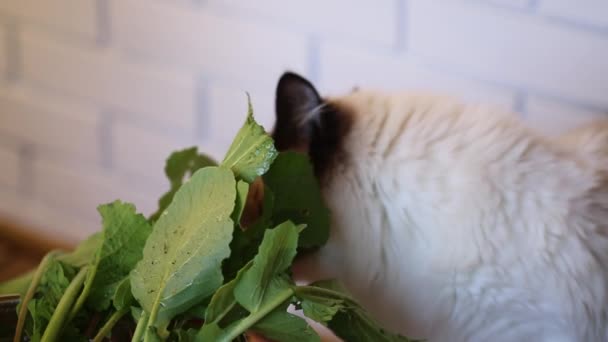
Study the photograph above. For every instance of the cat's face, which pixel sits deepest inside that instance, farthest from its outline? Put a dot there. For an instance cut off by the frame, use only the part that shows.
(335, 134)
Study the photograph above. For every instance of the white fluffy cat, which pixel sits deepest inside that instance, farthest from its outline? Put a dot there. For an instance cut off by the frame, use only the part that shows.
(453, 222)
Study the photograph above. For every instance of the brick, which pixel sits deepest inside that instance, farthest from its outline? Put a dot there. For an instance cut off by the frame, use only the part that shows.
(80, 190)
(228, 109)
(194, 37)
(519, 4)
(591, 12)
(513, 47)
(340, 18)
(552, 117)
(106, 78)
(50, 122)
(77, 17)
(342, 68)
(140, 152)
(9, 169)
(46, 222)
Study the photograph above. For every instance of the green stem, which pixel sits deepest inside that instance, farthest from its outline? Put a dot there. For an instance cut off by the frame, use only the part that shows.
(83, 295)
(225, 312)
(152, 319)
(30, 293)
(141, 327)
(65, 303)
(107, 328)
(255, 317)
(327, 293)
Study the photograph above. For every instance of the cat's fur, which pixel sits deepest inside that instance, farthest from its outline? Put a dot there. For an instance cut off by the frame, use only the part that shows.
(455, 222)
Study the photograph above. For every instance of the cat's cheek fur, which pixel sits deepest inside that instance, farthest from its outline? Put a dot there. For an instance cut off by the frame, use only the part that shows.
(372, 260)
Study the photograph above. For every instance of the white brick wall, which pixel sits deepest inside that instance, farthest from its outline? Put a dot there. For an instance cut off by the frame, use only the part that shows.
(22, 109)
(553, 117)
(9, 159)
(513, 47)
(344, 19)
(141, 152)
(585, 12)
(73, 17)
(95, 93)
(3, 50)
(105, 77)
(81, 189)
(400, 72)
(513, 3)
(196, 37)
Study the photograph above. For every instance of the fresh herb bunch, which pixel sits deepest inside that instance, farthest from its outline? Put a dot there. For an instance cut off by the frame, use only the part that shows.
(194, 270)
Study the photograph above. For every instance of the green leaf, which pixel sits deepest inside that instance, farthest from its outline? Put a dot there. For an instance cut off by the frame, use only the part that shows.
(58, 322)
(279, 325)
(261, 287)
(297, 197)
(209, 332)
(356, 325)
(180, 165)
(185, 335)
(122, 296)
(185, 162)
(29, 293)
(53, 284)
(84, 253)
(252, 151)
(245, 243)
(242, 189)
(322, 310)
(136, 313)
(223, 300)
(325, 303)
(222, 307)
(264, 278)
(195, 312)
(123, 237)
(183, 255)
(239, 326)
(221, 303)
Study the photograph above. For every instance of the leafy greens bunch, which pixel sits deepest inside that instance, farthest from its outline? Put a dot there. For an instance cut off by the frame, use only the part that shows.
(194, 271)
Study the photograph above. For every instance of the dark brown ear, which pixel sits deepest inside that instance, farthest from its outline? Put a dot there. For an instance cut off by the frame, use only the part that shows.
(298, 106)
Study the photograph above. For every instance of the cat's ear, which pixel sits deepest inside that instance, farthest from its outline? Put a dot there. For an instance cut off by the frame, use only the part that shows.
(297, 109)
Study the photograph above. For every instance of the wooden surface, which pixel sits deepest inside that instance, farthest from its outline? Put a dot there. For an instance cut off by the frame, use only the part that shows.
(20, 250)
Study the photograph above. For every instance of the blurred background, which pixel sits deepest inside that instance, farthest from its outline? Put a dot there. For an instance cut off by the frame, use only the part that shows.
(94, 94)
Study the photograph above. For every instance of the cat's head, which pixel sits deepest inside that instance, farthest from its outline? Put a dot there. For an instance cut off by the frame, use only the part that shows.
(346, 138)
(339, 134)
(311, 124)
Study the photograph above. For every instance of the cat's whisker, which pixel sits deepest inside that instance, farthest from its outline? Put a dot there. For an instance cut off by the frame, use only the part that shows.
(311, 115)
